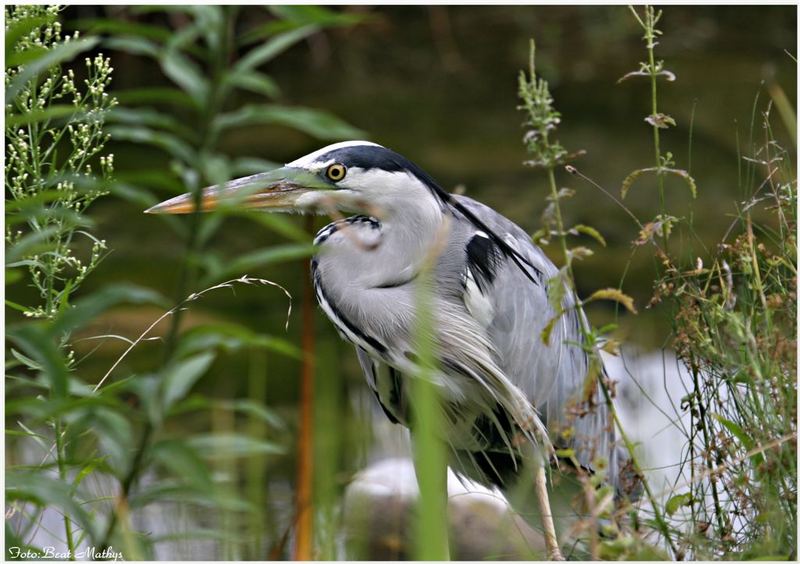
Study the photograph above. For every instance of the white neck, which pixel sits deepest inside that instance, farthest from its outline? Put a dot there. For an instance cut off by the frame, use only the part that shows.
(360, 256)
(409, 230)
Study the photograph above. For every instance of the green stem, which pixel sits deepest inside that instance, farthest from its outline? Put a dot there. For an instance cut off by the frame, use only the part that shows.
(649, 32)
(187, 273)
(551, 179)
(127, 483)
(585, 332)
(703, 422)
(62, 474)
(659, 518)
(429, 450)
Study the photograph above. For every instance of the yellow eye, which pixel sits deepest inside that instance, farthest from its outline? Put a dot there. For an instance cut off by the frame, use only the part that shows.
(336, 172)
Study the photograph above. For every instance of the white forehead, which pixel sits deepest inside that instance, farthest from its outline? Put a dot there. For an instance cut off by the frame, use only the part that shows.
(318, 157)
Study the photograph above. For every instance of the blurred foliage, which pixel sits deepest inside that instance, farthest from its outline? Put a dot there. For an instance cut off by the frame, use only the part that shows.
(207, 93)
(109, 448)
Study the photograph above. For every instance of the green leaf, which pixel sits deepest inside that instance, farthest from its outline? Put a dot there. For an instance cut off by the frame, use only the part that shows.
(40, 410)
(548, 329)
(591, 232)
(151, 118)
(253, 81)
(279, 224)
(148, 389)
(232, 337)
(211, 22)
(161, 492)
(115, 435)
(14, 275)
(556, 290)
(44, 491)
(255, 409)
(249, 262)
(55, 56)
(123, 27)
(316, 123)
(272, 48)
(243, 406)
(253, 165)
(176, 147)
(293, 17)
(319, 15)
(230, 445)
(183, 461)
(629, 180)
(36, 116)
(25, 56)
(179, 377)
(168, 96)
(21, 28)
(133, 45)
(90, 307)
(615, 295)
(186, 74)
(676, 502)
(738, 432)
(89, 467)
(735, 430)
(687, 177)
(31, 243)
(633, 176)
(34, 339)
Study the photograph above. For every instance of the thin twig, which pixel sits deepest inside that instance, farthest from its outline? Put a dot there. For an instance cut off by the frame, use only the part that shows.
(245, 279)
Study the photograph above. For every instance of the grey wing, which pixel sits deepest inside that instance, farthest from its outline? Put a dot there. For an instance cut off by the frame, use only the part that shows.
(552, 376)
(389, 399)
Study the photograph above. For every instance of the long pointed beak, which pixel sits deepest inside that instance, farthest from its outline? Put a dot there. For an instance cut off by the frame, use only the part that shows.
(277, 190)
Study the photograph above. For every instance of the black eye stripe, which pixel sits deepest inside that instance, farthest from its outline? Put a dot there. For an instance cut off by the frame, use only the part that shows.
(336, 172)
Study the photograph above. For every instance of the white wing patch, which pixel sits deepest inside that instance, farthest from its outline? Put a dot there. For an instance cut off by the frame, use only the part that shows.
(478, 304)
(477, 277)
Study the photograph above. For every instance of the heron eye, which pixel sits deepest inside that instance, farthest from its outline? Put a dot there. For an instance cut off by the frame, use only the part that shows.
(336, 172)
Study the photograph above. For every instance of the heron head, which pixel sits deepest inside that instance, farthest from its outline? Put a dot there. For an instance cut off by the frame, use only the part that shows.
(353, 176)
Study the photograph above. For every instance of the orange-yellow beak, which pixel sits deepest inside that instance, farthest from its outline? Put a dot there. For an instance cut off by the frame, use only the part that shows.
(277, 190)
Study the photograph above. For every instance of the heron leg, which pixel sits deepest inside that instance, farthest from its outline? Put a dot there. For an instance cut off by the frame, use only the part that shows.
(549, 529)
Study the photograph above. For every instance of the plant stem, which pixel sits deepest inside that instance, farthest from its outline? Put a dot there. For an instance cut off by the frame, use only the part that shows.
(128, 482)
(429, 449)
(656, 134)
(255, 466)
(304, 538)
(586, 333)
(659, 518)
(703, 423)
(650, 35)
(62, 474)
(551, 180)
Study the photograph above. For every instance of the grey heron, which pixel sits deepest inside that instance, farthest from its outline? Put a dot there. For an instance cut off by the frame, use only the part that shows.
(504, 392)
